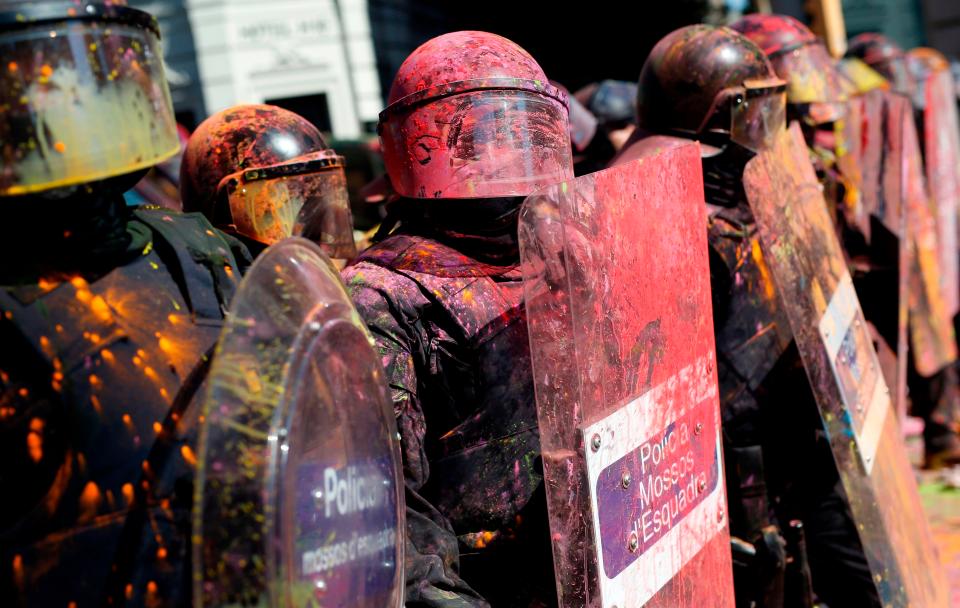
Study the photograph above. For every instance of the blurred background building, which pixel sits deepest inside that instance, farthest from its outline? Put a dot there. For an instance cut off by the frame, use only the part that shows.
(332, 60)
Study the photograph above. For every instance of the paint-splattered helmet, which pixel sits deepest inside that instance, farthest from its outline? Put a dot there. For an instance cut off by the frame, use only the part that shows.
(814, 86)
(472, 115)
(83, 96)
(862, 78)
(267, 174)
(711, 83)
(924, 62)
(881, 54)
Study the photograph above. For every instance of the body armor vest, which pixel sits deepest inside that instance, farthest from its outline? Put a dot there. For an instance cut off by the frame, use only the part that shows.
(475, 384)
(120, 359)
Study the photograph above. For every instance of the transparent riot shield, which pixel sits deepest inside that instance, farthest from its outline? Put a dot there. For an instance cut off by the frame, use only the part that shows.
(931, 323)
(875, 162)
(808, 268)
(617, 290)
(941, 145)
(298, 498)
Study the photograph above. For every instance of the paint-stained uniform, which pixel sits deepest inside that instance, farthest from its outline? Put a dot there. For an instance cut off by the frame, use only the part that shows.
(452, 334)
(98, 377)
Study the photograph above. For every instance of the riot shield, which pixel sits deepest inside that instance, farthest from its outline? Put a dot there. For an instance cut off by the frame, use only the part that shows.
(808, 268)
(298, 497)
(617, 292)
(875, 160)
(931, 324)
(941, 144)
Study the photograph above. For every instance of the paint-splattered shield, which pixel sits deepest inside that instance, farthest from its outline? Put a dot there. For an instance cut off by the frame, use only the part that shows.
(621, 338)
(941, 142)
(298, 499)
(817, 293)
(931, 327)
(870, 163)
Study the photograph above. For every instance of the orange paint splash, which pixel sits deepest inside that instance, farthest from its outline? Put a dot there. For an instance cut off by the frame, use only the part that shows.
(100, 308)
(107, 356)
(35, 447)
(157, 427)
(90, 499)
(127, 491)
(18, 569)
(188, 456)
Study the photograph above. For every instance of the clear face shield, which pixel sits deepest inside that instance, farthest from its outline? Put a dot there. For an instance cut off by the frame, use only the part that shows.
(758, 113)
(304, 197)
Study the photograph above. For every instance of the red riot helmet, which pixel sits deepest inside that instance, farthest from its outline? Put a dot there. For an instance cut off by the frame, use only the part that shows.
(472, 115)
(814, 86)
(711, 83)
(267, 173)
(881, 54)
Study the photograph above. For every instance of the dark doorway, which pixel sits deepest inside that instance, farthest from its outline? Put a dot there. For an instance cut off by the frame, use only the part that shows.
(312, 107)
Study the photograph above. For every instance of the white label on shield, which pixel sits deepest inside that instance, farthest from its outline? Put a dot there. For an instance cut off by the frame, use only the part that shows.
(856, 369)
(656, 484)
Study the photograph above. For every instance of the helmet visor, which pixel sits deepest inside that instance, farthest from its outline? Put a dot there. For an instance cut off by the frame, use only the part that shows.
(477, 144)
(758, 114)
(83, 100)
(811, 75)
(305, 197)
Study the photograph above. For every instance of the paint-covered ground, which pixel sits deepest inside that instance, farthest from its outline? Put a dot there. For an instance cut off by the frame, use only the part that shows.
(940, 493)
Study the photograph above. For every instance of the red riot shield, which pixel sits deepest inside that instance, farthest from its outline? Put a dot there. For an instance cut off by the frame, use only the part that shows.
(617, 292)
(299, 495)
(808, 268)
(931, 324)
(941, 143)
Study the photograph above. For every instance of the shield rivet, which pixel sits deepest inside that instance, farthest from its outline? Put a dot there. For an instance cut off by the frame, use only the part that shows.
(625, 480)
(720, 514)
(698, 429)
(595, 442)
(702, 485)
(634, 543)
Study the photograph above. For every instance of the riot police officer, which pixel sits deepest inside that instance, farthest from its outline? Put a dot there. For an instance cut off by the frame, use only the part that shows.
(471, 128)
(108, 315)
(779, 466)
(264, 173)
